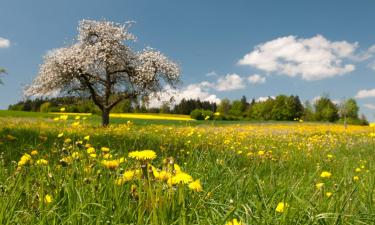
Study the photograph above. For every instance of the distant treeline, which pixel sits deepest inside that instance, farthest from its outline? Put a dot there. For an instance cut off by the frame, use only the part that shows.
(279, 108)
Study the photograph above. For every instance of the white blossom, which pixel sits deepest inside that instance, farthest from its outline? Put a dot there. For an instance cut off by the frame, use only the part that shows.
(101, 65)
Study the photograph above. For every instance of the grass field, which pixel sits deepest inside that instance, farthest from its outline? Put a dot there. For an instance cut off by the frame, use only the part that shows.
(74, 172)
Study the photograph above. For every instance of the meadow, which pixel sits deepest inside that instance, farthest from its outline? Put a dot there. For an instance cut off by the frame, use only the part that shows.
(65, 169)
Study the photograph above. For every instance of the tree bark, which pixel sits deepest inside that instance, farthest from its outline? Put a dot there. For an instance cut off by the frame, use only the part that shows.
(105, 117)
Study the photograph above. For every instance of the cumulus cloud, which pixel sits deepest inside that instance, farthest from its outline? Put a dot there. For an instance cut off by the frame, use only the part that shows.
(230, 82)
(256, 79)
(4, 43)
(211, 74)
(311, 58)
(192, 91)
(366, 93)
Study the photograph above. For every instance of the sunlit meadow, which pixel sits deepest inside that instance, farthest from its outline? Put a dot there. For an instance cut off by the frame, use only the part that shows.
(67, 170)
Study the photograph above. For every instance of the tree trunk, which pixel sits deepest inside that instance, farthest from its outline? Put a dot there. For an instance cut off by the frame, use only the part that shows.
(105, 117)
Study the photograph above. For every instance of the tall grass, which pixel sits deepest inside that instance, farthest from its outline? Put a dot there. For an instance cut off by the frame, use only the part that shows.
(245, 170)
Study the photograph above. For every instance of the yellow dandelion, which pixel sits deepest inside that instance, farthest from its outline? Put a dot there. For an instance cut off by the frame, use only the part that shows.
(196, 186)
(34, 152)
(281, 207)
(180, 178)
(42, 162)
(48, 199)
(319, 185)
(325, 174)
(356, 178)
(357, 170)
(111, 164)
(105, 149)
(62, 109)
(143, 155)
(234, 222)
(90, 150)
(87, 138)
(329, 194)
(60, 135)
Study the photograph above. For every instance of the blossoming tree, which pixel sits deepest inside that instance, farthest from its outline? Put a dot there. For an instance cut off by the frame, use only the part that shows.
(101, 65)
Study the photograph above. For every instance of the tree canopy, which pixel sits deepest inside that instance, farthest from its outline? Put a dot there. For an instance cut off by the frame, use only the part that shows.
(102, 66)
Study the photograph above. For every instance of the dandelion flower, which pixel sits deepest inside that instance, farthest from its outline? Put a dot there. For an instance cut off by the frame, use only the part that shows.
(356, 178)
(180, 178)
(329, 194)
(111, 164)
(325, 174)
(319, 185)
(143, 155)
(42, 162)
(196, 186)
(87, 138)
(60, 135)
(34, 152)
(105, 149)
(48, 199)
(234, 222)
(281, 207)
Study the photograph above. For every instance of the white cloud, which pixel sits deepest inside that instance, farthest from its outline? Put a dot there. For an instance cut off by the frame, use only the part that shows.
(369, 106)
(256, 79)
(211, 74)
(263, 99)
(4, 43)
(372, 65)
(366, 93)
(230, 82)
(311, 58)
(192, 91)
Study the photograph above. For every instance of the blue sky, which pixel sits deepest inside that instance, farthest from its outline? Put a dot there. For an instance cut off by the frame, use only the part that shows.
(306, 48)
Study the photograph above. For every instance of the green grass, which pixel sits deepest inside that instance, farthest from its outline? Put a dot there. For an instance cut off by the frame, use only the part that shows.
(235, 184)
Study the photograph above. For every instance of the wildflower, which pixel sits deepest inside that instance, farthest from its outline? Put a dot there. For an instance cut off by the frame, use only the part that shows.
(60, 135)
(329, 194)
(234, 222)
(330, 156)
(75, 155)
(143, 155)
(63, 117)
(127, 176)
(107, 156)
(196, 186)
(325, 174)
(56, 119)
(90, 150)
(319, 185)
(111, 164)
(66, 160)
(356, 178)
(67, 141)
(26, 158)
(281, 207)
(358, 170)
(177, 168)
(77, 117)
(260, 153)
(48, 199)
(34, 152)
(87, 138)
(93, 155)
(180, 178)
(62, 109)
(75, 124)
(105, 149)
(42, 162)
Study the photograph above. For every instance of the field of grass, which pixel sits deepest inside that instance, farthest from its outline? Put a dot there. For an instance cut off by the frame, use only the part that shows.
(74, 172)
